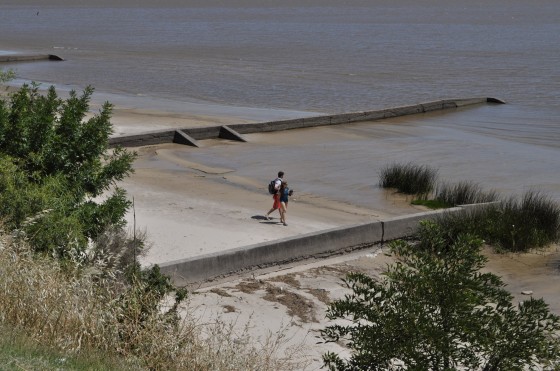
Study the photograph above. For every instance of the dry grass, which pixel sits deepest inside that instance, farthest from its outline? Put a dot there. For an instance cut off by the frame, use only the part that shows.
(297, 305)
(77, 312)
(289, 279)
(228, 308)
(221, 292)
(249, 287)
(321, 294)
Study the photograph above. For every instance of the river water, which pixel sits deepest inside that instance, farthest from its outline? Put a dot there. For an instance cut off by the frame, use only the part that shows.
(325, 56)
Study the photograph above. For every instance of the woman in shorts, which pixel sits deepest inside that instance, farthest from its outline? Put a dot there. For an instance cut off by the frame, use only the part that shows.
(284, 192)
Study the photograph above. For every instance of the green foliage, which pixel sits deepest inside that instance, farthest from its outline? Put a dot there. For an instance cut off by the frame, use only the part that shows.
(435, 310)
(6, 75)
(54, 162)
(19, 352)
(409, 178)
(49, 135)
(515, 224)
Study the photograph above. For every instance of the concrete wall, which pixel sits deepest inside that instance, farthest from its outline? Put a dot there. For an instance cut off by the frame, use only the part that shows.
(328, 242)
(201, 133)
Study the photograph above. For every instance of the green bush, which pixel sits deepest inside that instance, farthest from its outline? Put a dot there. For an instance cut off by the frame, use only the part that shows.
(411, 179)
(54, 162)
(435, 310)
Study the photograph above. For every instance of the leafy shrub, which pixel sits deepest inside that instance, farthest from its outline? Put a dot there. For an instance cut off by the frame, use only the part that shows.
(409, 178)
(54, 163)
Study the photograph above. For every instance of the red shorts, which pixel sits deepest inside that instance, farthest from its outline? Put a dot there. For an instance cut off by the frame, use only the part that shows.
(276, 198)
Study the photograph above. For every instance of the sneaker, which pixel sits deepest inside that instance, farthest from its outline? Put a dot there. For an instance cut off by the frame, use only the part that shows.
(285, 224)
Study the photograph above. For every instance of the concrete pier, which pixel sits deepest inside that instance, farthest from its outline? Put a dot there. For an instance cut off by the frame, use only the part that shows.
(283, 251)
(29, 57)
(234, 132)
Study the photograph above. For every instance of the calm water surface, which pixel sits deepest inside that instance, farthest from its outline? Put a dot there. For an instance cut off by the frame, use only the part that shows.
(324, 56)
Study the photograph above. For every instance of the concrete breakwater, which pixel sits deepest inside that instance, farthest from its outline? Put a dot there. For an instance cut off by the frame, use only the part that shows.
(189, 136)
(312, 245)
(29, 57)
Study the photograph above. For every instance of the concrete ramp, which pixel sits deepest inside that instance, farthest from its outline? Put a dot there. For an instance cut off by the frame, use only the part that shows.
(228, 133)
(183, 138)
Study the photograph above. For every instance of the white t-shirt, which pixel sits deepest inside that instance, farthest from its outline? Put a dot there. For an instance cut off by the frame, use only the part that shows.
(277, 183)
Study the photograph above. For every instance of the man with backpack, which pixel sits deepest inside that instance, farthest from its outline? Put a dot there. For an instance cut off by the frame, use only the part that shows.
(274, 188)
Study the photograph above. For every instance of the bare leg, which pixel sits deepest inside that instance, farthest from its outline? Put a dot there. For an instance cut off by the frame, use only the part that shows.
(275, 198)
(270, 211)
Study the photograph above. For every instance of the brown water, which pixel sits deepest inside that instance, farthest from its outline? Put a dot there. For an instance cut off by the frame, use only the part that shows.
(290, 59)
(342, 162)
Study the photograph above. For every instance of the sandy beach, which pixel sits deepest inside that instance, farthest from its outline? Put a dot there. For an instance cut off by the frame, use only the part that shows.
(189, 206)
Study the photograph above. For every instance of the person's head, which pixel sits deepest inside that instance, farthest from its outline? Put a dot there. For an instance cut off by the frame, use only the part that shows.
(284, 184)
(280, 174)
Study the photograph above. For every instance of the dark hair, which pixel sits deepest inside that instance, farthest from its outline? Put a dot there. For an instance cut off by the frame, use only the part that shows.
(280, 174)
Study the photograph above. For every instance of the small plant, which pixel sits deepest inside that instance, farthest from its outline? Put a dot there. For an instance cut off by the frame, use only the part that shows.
(463, 193)
(6, 75)
(411, 179)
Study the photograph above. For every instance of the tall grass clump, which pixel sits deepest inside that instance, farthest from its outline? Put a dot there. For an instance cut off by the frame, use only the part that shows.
(531, 221)
(409, 178)
(463, 193)
(516, 224)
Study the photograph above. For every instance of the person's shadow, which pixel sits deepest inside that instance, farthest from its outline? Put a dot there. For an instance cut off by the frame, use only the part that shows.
(263, 219)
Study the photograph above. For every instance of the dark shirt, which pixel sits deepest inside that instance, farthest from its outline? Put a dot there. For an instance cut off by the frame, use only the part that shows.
(284, 195)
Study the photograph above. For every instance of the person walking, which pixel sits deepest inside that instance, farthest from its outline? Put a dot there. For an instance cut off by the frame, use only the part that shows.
(284, 192)
(276, 196)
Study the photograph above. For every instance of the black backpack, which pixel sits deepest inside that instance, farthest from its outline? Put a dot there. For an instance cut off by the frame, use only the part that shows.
(272, 186)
